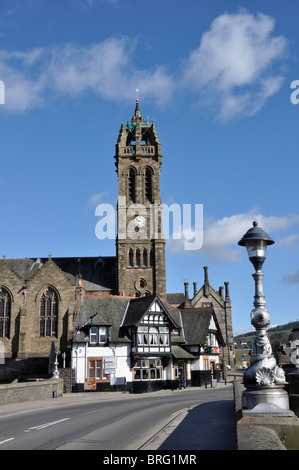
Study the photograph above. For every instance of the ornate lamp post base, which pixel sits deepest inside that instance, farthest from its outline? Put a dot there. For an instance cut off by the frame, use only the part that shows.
(265, 399)
(264, 380)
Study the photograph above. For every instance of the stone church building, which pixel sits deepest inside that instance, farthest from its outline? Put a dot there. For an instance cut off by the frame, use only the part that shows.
(111, 318)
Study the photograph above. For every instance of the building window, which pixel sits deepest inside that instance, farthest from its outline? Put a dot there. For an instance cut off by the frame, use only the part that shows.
(48, 313)
(95, 369)
(152, 258)
(131, 258)
(5, 313)
(152, 336)
(164, 336)
(98, 335)
(148, 184)
(145, 257)
(131, 184)
(137, 257)
(148, 369)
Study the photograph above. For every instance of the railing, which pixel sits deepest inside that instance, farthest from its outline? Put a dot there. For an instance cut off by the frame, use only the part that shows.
(145, 150)
(132, 124)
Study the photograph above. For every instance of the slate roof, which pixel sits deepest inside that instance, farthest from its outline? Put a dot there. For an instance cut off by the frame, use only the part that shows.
(175, 298)
(196, 323)
(119, 313)
(110, 312)
(180, 353)
(98, 273)
(138, 307)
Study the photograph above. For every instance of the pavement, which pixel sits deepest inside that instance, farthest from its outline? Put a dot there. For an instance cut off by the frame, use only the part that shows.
(209, 426)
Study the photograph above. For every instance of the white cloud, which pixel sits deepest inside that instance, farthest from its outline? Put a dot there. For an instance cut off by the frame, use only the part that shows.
(105, 69)
(232, 67)
(232, 70)
(220, 237)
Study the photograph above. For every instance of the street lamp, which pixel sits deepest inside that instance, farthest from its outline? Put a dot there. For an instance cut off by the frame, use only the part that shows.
(263, 379)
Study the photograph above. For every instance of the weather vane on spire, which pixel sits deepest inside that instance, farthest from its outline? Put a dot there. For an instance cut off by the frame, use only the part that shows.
(137, 91)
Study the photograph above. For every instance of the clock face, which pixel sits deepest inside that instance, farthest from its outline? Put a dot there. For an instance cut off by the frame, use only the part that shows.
(139, 221)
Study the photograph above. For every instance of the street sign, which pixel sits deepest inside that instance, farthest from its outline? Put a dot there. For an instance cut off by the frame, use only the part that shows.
(90, 384)
(109, 365)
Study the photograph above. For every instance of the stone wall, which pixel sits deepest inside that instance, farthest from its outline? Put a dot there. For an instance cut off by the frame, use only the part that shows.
(68, 376)
(264, 432)
(30, 391)
(24, 340)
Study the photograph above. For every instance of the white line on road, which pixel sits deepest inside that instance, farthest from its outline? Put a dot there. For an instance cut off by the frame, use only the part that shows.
(6, 440)
(42, 426)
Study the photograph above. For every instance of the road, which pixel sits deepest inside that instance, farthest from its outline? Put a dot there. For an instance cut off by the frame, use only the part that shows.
(120, 423)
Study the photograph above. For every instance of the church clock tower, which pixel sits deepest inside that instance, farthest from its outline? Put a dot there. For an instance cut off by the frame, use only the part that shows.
(140, 245)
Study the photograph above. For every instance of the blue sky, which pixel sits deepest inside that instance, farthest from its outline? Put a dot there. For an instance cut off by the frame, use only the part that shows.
(215, 76)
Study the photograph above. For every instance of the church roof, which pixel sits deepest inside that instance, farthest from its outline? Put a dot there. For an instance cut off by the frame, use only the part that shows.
(98, 273)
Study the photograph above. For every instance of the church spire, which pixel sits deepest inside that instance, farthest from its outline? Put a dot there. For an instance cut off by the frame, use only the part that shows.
(137, 115)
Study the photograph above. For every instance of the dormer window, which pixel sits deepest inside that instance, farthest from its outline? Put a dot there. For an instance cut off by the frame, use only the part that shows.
(98, 335)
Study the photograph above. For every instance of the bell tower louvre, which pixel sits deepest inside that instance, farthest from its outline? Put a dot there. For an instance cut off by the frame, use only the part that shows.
(140, 244)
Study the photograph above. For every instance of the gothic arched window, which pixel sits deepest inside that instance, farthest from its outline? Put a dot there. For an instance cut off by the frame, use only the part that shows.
(131, 257)
(152, 256)
(48, 313)
(5, 312)
(131, 185)
(145, 257)
(137, 257)
(148, 184)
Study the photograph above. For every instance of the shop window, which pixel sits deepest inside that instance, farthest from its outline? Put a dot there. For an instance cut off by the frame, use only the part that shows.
(148, 369)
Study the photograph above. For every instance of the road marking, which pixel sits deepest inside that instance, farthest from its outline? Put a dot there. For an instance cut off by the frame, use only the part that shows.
(184, 409)
(6, 440)
(42, 426)
(179, 411)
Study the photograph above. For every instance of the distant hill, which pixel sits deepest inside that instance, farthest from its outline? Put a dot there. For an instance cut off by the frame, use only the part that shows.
(277, 329)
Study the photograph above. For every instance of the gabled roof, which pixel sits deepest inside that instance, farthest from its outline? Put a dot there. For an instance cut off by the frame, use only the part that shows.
(136, 310)
(139, 306)
(196, 322)
(103, 311)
